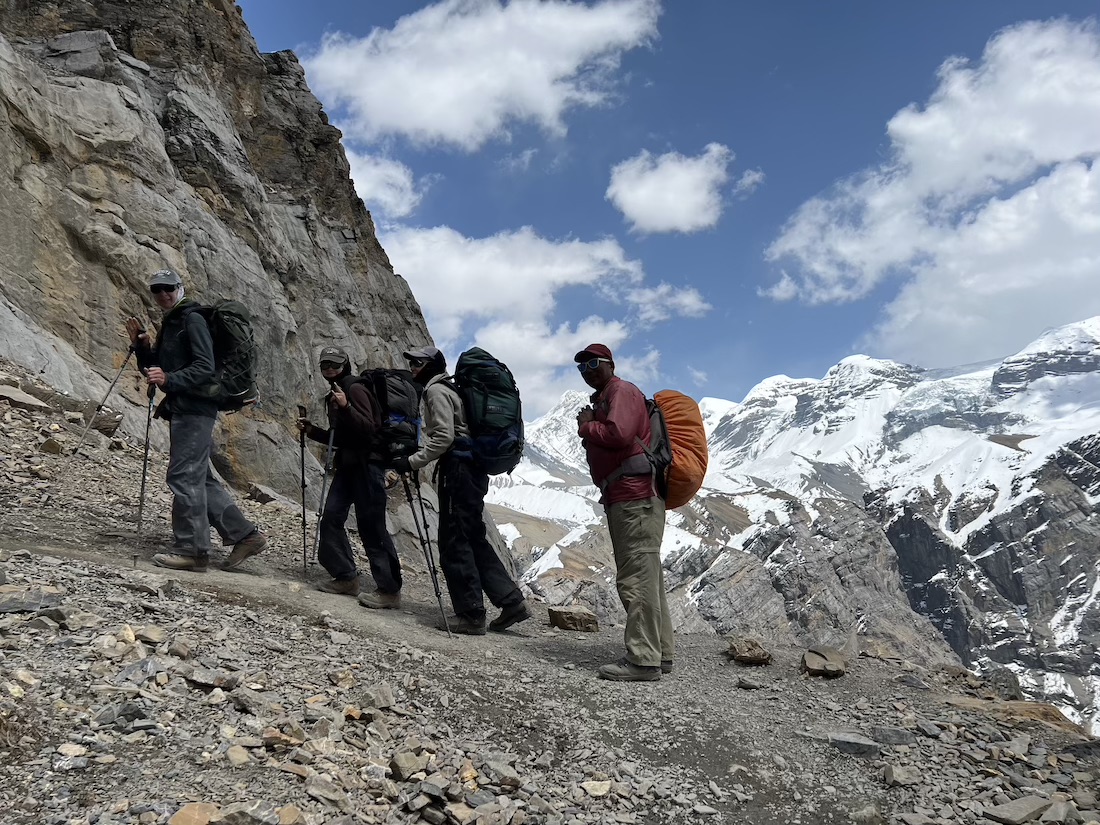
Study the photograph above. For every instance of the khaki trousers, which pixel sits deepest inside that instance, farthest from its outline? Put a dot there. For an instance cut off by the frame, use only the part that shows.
(637, 528)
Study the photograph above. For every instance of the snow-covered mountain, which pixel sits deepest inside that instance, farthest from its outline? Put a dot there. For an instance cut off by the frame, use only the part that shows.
(928, 514)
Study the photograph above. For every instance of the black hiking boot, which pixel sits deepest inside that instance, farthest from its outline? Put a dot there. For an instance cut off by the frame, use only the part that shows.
(465, 626)
(510, 615)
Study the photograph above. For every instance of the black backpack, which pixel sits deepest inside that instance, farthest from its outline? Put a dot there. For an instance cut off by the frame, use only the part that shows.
(398, 398)
(494, 413)
(234, 384)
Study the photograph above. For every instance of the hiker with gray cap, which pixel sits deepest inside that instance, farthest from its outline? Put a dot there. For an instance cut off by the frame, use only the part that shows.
(354, 419)
(181, 365)
(470, 565)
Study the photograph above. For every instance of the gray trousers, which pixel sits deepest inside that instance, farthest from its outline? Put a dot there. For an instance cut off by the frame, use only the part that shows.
(198, 500)
(637, 528)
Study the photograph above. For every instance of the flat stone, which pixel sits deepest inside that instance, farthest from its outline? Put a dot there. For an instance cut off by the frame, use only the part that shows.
(748, 652)
(893, 736)
(27, 599)
(194, 813)
(253, 812)
(896, 775)
(855, 744)
(1018, 811)
(596, 788)
(21, 400)
(821, 660)
(574, 617)
(238, 757)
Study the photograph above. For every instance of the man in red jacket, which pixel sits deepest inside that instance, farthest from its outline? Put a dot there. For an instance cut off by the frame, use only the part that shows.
(613, 430)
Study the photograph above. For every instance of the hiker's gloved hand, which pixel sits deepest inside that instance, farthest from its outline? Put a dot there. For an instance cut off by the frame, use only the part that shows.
(303, 425)
(401, 465)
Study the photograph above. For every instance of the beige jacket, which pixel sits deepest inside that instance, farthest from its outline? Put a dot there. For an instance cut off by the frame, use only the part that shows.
(444, 420)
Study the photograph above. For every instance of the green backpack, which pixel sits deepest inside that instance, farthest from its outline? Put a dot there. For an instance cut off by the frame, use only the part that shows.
(494, 413)
(234, 384)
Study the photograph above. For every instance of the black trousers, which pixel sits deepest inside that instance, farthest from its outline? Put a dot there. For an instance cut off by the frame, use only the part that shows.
(470, 565)
(363, 486)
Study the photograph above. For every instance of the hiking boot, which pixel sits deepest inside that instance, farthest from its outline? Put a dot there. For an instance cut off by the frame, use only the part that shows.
(341, 587)
(510, 615)
(465, 626)
(377, 600)
(180, 561)
(625, 670)
(666, 666)
(255, 542)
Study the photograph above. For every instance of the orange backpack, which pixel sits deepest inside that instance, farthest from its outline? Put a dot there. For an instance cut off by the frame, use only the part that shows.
(687, 440)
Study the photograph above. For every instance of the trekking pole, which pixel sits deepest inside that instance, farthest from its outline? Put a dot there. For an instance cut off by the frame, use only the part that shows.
(324, 491)
(152, 392)
(98, 409)
(425, 542)
(302, 445)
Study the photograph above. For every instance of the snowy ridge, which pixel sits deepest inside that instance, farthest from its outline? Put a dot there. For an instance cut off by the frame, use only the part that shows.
(965, 447)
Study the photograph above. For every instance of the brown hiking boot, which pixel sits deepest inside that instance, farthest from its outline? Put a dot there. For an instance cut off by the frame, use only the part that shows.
(513, 614)
(377, 600)
(341, 587)
(625, 670)
(180, 561)
(247, 547)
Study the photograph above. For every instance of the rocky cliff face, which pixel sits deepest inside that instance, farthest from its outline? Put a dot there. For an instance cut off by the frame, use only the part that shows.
(139, 135)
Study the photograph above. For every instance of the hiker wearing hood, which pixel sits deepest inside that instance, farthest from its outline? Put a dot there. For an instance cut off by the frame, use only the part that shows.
(181, 365)
(358, 480)
(470, 565)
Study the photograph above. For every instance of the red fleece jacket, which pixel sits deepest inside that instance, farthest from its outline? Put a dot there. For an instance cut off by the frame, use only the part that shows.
(610, 439)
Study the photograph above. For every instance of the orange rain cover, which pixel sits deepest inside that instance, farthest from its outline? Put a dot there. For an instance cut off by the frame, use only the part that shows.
(689, 446)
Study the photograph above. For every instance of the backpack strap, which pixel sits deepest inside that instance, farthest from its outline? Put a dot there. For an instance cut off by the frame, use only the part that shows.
(638, 464)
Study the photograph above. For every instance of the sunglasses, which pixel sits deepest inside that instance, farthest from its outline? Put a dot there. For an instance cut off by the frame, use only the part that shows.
(332, 365)
(156, 289)
(591, 364)
(417, 363)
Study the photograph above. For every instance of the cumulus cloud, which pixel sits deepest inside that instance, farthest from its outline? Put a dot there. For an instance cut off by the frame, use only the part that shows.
(671, 192)
(501, 292)
(459, 72)
(987, 210)
(384, 184)
(748, 182)
(664, 301)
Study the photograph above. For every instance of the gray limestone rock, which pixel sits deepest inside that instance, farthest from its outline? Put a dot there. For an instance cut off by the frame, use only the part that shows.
(574, 618)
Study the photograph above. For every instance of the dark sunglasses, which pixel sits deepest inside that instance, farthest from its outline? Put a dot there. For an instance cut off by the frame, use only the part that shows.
(417, 363)
(591, 364)
(332, 365)
(156, 289)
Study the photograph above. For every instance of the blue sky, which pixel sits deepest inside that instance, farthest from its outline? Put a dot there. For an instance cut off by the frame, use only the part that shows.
(719, 191)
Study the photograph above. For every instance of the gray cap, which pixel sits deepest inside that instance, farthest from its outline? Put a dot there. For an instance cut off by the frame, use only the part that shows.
(333, 354)
(165, 276)
(422, 354)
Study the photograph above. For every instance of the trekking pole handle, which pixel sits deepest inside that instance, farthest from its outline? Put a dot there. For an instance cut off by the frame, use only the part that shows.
(301, 410)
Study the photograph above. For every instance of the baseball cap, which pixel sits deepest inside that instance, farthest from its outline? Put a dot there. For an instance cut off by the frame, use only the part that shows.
(422, 354)
(334, 354)
(165, 276)
(593, 351)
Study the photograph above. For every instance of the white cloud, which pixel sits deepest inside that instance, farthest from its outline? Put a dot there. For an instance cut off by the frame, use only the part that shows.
(459, 72)
(384, 184)
(519, 163)
(663, 301)
(500, 292)
(671, 192)
(698, 377)
(988, 207)
(748, 182)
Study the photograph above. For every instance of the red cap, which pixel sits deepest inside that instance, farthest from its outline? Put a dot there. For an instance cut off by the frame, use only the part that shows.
(593, 351)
